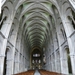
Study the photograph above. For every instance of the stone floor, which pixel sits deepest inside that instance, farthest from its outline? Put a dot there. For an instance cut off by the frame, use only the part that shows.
(37, 72)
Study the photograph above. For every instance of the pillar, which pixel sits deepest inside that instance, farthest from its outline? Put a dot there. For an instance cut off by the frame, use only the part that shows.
(69, 31)
(2, 54)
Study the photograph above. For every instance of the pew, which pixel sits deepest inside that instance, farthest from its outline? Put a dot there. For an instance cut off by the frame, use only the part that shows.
(44, 72)
(30, 72)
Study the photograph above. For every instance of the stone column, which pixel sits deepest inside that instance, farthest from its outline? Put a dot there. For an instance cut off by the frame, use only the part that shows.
(72, 56)
(63, 61)
(3, 40)
(13, 56)
(56, 61)
(1, 64)
(18, 62)
(69, 31)
(2, 54)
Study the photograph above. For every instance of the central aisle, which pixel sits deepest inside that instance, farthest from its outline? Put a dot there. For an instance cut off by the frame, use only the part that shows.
(37, 72)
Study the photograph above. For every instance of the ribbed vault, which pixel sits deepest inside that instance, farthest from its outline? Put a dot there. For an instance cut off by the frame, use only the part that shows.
(36, 25)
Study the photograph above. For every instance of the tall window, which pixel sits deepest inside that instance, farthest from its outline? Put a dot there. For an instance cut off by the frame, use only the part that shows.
(73, 20)
(2, 19)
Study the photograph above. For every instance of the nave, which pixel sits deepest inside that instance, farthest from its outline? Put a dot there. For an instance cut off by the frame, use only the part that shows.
(37, 34)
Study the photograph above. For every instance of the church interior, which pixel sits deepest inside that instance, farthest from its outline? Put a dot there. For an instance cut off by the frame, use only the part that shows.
(37, 37)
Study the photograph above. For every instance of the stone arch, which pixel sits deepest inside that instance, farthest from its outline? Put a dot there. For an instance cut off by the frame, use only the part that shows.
(2, 21)
(5, 19)
(3, 16)
(7, 61)
(11, 31)
(63, 31)
(72, 19)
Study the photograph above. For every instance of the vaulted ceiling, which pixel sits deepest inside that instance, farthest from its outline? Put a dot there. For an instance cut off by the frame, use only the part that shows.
(37, 21)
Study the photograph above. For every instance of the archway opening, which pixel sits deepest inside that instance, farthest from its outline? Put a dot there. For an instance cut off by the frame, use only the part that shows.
(36, 59)
(69, 61)
(7, 62)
